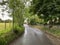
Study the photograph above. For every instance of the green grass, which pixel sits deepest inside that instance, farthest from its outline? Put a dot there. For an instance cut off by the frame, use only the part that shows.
(55, 30)
(7, 35)
(2, 27)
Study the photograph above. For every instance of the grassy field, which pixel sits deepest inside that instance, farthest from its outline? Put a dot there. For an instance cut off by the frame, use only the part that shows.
(2, 27)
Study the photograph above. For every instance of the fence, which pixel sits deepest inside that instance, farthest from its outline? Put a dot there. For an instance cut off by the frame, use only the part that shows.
(4, 26)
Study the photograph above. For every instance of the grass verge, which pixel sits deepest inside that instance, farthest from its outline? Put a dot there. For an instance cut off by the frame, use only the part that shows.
(8, 35)
(55, 30)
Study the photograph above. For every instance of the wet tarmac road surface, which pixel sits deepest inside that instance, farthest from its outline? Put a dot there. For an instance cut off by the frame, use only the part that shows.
(32, 36)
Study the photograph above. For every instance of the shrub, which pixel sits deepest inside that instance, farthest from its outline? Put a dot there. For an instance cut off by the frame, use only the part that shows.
(6, 38)
(33, 22)
(18, 29)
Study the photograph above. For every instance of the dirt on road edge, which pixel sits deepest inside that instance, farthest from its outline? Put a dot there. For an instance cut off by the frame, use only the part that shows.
(54, 40)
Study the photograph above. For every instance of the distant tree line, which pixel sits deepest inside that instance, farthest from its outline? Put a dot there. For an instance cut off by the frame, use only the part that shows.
(6, 21)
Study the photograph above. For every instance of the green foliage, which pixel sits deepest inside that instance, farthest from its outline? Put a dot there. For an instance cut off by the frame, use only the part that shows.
(18, 10)
(49, 8)
(13, 4)
(18, 29)
(34, 19)
(31, 19)
(55, 30)
(27, 14)
(6, 36)
(33, 22)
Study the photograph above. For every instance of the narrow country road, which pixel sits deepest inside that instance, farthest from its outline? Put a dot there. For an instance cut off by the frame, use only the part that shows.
(32, 36)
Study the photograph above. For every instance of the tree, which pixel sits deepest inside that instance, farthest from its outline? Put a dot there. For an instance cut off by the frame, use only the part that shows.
(17, 7)
(50, 9)
(1, 21)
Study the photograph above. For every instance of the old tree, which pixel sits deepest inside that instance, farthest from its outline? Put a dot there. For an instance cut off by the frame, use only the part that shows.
(49, 10)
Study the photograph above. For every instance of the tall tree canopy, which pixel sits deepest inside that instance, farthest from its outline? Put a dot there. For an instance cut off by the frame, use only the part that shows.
(49, 8)
(17, 7)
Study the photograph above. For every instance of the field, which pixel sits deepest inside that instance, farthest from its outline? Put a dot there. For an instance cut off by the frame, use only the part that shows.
(2, 26)
(4, 29)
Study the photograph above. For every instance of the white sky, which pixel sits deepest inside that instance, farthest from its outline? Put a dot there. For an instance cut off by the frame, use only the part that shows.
(28, 4)
(6, 15)
(0, 0)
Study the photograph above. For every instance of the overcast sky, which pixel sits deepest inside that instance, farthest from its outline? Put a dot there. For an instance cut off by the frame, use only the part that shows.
(0, 0)
(5, 15)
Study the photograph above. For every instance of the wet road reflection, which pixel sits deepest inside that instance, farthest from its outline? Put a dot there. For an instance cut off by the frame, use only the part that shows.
(32, 36)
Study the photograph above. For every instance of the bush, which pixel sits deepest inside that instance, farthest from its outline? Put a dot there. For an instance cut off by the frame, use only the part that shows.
(33, 22)
(18, 29)
(6, 38)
